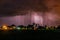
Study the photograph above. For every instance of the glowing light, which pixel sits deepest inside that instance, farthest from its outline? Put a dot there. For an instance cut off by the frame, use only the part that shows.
(38, 19)
(47, 28)
(18, 28)
(14, 27)
(56, 26)
(4, 27)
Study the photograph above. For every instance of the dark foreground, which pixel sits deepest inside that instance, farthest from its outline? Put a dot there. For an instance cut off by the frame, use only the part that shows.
(19, 35)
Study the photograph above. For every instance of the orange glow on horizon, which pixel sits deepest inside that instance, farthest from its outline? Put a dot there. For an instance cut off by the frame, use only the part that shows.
(4, 27)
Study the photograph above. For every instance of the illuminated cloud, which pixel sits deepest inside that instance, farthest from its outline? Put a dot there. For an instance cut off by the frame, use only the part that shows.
(37, 18)
(52, 18)
(48, 10)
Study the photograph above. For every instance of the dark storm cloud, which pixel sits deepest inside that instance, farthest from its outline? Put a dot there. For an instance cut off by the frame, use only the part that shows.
(10, 7)
(6, 8)
(14, 7)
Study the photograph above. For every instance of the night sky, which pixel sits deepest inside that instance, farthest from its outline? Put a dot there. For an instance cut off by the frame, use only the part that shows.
(14, 7)
(49, 8)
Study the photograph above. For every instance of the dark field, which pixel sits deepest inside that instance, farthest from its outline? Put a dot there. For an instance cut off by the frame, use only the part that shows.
(19, 35)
